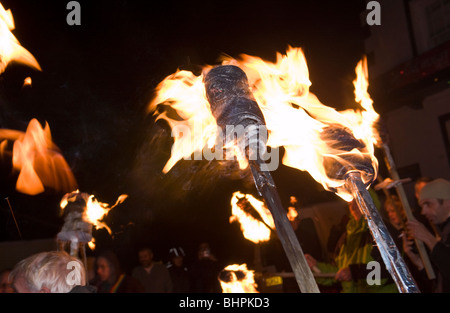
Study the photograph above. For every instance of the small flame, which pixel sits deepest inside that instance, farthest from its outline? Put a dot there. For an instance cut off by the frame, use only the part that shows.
(254, 229)
(38, 160)
(369, 116)
(95, 211)
(235, 284)
(292, 213)
(10, 48)
(294, 116)
(91, 244)
(27, 82)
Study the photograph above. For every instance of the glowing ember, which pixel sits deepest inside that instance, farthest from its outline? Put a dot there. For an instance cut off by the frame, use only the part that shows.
(91, 244)
(10, 48)
(38, 160)
(27, 82)
(238, 279)
(316, 138)
(292, 213)
(255, 219)
(292, 210)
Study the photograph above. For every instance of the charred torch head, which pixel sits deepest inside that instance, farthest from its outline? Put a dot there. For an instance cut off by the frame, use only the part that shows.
(230, 98)
(353, 154)
(233, 106)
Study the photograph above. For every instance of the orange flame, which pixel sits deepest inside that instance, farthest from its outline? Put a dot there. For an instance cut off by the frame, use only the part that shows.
(235, 285)
(10, 48)
(91, 244)
(185, 93)
(95, 211)
(253, 229)
(292, 213)
(27, 82)
(294, 116)
(38, 160)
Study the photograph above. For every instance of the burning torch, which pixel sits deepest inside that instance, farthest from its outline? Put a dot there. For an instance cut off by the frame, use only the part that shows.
(81, 213)
(357, 171)
(233, 104)
(336, 148)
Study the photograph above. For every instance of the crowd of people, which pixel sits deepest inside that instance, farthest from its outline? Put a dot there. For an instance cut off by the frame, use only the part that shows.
(60, 272)
(430, 224)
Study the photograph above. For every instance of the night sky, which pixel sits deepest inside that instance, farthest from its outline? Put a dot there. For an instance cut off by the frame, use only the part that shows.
(97, 79)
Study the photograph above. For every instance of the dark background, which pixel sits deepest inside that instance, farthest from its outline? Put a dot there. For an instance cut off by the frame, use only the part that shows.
(97, 80)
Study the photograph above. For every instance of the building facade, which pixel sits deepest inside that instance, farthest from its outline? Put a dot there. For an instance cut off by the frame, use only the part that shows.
(409, 72)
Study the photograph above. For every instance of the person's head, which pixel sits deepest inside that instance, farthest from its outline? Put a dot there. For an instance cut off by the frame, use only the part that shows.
(107, 266)
(5, 283)
(176, 256)
(204, 251)
(145, 256)
(48, 272)
(434, 198)
(418, 185)
(393, 208)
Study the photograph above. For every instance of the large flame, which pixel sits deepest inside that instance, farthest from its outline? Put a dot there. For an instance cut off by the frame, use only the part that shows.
(294, 116)
(240, 280)
(10, 48)
(37, 159)
(256, 229)
(197, 127)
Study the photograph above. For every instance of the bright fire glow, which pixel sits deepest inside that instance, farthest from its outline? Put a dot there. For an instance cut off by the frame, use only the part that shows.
(292, 213)
(295, 117)
(10, 48)
(91, 244)
(246, 284)
(38, 160)
(185, 93)
(253, 229)
(27, 82)
(95, 211)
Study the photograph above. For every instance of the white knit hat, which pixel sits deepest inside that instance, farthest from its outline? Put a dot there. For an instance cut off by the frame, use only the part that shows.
(436, 189)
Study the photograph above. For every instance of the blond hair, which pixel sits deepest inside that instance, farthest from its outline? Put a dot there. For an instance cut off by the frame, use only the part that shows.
(57, 271)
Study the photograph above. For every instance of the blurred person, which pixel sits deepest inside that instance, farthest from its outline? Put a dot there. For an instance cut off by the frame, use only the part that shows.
(49, 272)
(153, 276)
(178, 271)
(204, 271)
(111, 278)
(354, 251)
(5, 283)
(434, 199)
(418, 185)
(396, 226)
(395, 212)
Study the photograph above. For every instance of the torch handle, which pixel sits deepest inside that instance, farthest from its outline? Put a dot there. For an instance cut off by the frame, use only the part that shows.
(388, 249)
(267, 189)
(404, 200)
